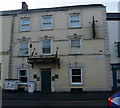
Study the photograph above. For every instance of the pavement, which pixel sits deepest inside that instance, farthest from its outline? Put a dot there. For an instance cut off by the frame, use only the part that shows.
(11, 99)
(60, 96)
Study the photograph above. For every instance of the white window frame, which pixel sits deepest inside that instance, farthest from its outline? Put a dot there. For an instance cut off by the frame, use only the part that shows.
(75, 47)
(76, 83)
(22, 24)
(23, 48)
(21, 76)
(50, 47)
(51, 22)
(70, 21)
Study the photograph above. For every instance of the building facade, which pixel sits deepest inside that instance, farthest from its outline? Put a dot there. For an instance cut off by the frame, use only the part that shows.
(62, 49)
(113, 20)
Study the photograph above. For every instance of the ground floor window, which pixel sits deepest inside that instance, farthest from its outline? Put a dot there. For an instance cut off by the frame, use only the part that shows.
(23, 76)
(76, 76)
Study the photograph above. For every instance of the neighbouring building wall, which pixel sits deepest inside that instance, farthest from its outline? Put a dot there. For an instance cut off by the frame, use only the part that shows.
(113, 38)
(0, 48)
(114, 43)
(6, 22)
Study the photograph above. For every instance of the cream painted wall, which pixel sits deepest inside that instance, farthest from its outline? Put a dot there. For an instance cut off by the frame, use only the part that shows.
(95, 67)
(95, 71)
(87, 21)
(61, 24)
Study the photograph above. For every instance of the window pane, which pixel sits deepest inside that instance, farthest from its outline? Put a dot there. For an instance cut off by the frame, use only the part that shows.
(47, 26)
(23, 72)
(75, 24)
(75, 43)
(23, 79)
(23, 52)
(76, 71)
(24, 44)
(76, 79)
(25, 21)
(46, 19)
(46, 44)
(74, 17)
(46, 50)
(25, 27)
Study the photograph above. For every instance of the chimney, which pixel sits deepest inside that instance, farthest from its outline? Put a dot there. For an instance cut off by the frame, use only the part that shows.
(24, 6)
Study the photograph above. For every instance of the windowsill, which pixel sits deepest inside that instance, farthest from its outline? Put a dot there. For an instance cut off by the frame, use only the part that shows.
(75, 84)
(74, 27)
(45, 54)
(76, 54)
(46, 29)
(24, 30)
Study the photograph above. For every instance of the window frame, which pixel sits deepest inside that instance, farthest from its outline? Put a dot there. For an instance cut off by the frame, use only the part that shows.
(76, 83)
(75, 47)
(23, 76)
(51, 22)
(23, 25)
(50, 47)
(70, 20)
(23, 48)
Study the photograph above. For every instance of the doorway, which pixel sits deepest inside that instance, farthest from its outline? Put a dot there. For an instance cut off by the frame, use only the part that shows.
(46, 80)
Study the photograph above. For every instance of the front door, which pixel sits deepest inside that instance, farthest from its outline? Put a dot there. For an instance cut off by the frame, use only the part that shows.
(46, 80)
(118, 78)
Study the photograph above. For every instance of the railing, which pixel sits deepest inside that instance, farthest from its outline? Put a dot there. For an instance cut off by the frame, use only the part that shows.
(51, 59)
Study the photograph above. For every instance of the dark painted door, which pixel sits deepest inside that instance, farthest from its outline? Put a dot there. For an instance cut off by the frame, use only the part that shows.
(46, 80)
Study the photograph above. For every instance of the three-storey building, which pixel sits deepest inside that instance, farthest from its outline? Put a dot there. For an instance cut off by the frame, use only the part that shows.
(61, 49)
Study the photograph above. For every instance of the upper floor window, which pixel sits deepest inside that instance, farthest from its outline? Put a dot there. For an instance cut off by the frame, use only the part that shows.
(47, 22)
(23, 76)
(75, 46)
(76, 76)
(23, 48)
(74, 20)
(46, 47)
(25, 24)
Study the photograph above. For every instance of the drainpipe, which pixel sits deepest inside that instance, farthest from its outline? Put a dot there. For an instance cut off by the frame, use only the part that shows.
(10, 69)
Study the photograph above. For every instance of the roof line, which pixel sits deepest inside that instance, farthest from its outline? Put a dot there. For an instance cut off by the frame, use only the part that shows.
(18, 11)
